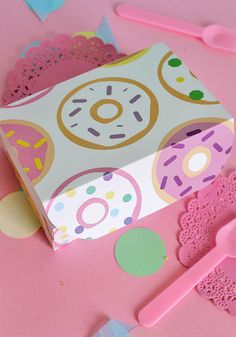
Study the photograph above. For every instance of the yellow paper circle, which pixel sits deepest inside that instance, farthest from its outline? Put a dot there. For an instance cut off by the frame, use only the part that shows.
(17, 218)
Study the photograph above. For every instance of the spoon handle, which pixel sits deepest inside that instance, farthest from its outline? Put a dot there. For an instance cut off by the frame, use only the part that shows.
(157, 20)
(164, 302)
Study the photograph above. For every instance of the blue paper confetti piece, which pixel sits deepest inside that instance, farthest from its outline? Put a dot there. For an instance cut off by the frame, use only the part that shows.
(105, 33)
(114, 329)
(42, 8)
(32, 44)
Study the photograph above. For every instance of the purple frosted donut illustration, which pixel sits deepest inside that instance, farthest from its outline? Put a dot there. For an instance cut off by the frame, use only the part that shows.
(191, 156)
(107, 113)
(180, 82)
(93, 203)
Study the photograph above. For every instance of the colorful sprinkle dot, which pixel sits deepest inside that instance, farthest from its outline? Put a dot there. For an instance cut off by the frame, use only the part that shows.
(128, 221)
(113, 229)
(196, 95)
(174, 62)
(107, 176)
(71, 193)
(127, 197)
(109, 195)
(59, 206)
(79, 229)
(114, 212)
(180, 79)
(91, 189)
(63, 228)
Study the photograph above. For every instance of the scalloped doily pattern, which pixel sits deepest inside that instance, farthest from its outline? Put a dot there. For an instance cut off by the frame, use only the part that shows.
(213, 207)
(55, 61)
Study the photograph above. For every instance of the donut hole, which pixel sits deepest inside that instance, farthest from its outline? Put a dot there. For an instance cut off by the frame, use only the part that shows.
(107, 111)
(196, 161)
(92, 212)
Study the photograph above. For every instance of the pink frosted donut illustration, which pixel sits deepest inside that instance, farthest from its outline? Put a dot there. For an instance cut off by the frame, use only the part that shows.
(33, 146)
(108, 113)
(191, 156)
(93, 203)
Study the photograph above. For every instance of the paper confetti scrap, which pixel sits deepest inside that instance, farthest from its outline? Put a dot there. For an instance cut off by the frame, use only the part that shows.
(140, 252)
(105, 33)
(114, 329)
(17, 218)
(42, 8)
(30, 45)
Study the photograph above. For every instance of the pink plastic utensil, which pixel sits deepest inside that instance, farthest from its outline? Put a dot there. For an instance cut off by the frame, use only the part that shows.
(215, 36)
(163, 303)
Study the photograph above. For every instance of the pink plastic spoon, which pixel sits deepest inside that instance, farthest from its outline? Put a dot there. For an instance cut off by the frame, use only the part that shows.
(225, 247)
(215, 36)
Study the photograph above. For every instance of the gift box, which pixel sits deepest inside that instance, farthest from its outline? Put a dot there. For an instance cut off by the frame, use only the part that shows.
(106, 148)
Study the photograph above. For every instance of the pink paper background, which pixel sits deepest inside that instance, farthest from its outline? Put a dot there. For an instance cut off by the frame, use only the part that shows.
(71, 292)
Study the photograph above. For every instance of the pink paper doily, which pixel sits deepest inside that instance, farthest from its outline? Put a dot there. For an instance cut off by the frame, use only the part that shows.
(55, 61)
(213, 207)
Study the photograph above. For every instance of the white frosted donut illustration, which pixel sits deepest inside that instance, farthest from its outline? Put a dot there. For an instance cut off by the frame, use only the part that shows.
(191, 156)
(93, 203)
(108, 113)
(179, 81)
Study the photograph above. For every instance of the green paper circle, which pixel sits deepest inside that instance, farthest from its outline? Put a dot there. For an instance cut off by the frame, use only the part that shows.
(140, 252)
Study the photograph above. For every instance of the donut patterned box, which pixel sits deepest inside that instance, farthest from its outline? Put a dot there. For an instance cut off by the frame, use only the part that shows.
(99, 151)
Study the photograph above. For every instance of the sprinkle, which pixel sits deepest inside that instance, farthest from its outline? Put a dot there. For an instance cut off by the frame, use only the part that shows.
(163, 183)
(81, 100)
(119, 135)
(74, 112)
(207, 136)
(38, 164)
(209, 178)
(93, 132)
(178, 146)
(217, 147)
(178, 180)
(40, 143)
(26, 169)
(138, 116)
(23, 143)
(228, 150)
(109, 90)
(10, 133)
(169, 161)
(194, 132)
(185, 191)
(73, 125)
(134, 99)
(125, 89)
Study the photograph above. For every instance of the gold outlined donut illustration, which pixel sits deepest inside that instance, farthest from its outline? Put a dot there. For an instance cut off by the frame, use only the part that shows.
(180, 82)
(190, 156)
(108, 113)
